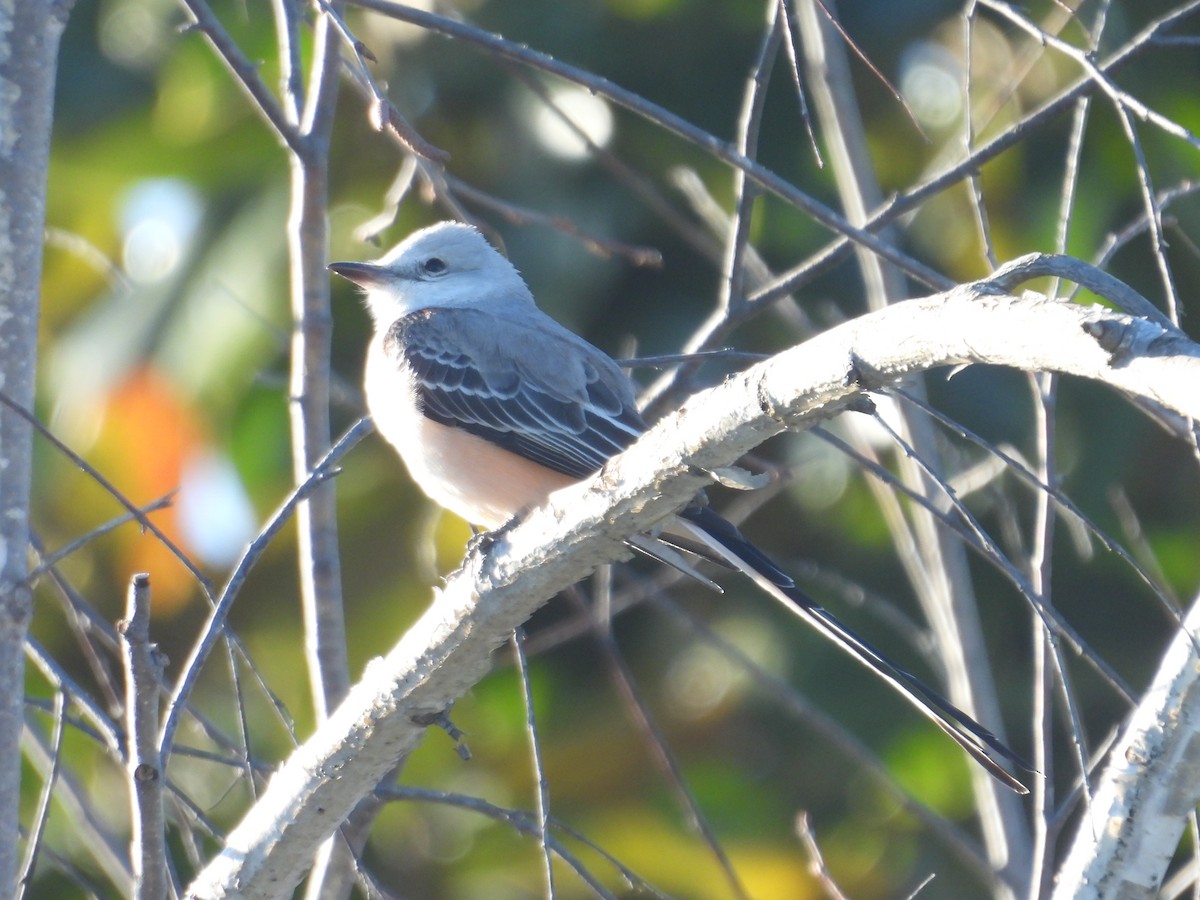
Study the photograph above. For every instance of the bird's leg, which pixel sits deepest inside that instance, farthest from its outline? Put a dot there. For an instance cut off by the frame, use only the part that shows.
(481, 541)
(442, 720)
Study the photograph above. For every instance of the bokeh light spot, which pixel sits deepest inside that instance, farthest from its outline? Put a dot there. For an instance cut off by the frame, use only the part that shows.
(159, 218)
(589, 113)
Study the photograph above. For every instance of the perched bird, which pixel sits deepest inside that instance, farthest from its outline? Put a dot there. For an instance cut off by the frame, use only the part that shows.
(493, 406)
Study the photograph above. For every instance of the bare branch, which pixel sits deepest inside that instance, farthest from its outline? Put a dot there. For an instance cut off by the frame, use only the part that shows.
(34, 842)
(220, 611)
(816, 862)
(133, 509)
(542, 804)
(583, 526)
(244, 73)
(935, 561)
(1144, 795)
(383, 115)
(143, 763)
(72, 797)
(666, 120)
(836, 250)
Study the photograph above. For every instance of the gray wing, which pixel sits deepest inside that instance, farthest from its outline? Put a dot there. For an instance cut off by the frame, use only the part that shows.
(533, 388)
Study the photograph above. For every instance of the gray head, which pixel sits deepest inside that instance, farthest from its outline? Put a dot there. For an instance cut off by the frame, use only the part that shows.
(446, 265)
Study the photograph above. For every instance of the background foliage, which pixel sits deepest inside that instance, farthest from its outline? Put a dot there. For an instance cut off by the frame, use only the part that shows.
(164, 360)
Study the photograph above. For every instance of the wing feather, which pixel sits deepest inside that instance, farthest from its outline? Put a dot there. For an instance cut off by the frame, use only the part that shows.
(529, 386)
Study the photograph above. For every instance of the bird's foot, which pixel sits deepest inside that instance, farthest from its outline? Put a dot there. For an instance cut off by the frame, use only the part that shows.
(482, 541)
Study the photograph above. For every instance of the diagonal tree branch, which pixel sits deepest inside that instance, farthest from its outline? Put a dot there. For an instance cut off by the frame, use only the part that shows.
(449, 649)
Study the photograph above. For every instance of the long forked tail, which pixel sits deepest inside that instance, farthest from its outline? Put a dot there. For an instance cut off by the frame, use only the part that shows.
(725, 541)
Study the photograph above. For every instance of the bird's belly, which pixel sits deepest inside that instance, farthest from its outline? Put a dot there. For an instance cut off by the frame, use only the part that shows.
(468, 475)
(474, 478)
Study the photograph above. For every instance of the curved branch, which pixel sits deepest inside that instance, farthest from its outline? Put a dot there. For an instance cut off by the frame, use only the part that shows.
(583, 526)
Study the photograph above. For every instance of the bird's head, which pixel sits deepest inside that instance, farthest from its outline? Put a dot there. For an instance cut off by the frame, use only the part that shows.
(445, 265)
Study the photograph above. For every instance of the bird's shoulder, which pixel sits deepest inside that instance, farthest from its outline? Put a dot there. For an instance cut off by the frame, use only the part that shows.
(464, 329)
(529, 347)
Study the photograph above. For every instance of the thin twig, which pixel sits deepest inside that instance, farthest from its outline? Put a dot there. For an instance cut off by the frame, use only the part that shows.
(287, 39)
(253, 552)
(1065, 503)
(622, 679)
(382, 112)
(816, 862)
(973, 180)
(134, 511)
(980, 541)
(33, 842)
(737, 235)
(105, 730)
(542, 805)
(1114, 241)
(87, 826)
(783, 24)
(48, 560)
(834, 252)
(524, 215)
(666, 120)
(245, 74)
(524, 822)
(1044, 387)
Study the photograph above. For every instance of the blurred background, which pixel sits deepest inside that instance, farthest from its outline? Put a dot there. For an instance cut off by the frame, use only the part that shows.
(164, 342)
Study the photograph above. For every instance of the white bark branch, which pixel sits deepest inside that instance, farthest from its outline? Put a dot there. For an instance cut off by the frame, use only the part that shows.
(449, 649)
(1148, 789)
(143, 764)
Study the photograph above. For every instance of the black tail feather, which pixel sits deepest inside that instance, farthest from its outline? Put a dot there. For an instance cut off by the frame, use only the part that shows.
(724, 538)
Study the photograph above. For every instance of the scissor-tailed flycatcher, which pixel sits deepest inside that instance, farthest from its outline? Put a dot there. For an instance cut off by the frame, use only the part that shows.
(493, 406)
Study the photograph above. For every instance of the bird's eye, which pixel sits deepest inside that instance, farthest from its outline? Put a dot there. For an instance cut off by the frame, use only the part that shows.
(435, 265)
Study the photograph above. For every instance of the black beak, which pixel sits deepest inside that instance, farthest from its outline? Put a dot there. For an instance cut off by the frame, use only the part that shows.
(363, 274)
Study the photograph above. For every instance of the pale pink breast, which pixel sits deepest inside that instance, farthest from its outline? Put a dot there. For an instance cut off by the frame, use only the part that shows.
(469, 476)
